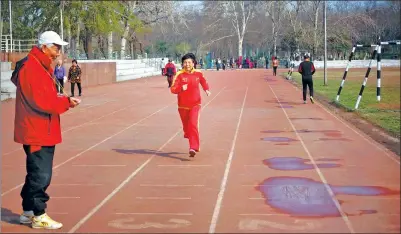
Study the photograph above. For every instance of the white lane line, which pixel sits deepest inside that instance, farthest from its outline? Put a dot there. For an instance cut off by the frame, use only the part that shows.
(223, 185)
(163, 198)
(93, 146)
(180, 214)
(319, 172)
(132, 175)
(372, 142)
(84, 109)
(88, 122)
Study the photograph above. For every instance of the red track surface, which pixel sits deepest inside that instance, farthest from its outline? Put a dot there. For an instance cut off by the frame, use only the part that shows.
(267, 164)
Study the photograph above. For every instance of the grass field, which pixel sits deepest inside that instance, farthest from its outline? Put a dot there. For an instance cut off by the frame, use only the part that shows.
(385, 113)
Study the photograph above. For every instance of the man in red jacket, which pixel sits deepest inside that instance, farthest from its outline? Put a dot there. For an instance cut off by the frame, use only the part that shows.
(170, 71)
(37, 125)
(186, 85)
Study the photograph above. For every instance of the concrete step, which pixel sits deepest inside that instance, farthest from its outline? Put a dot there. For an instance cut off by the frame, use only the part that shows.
(137, 76)
(5, 66)
(125, 66)
(6, 75)
(8, 87)
(5, 96)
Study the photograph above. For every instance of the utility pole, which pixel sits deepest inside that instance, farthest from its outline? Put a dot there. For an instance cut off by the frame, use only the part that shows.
(325, 41)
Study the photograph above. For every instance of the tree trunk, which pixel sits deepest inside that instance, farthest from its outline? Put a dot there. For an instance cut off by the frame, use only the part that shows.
(240, 41)
(77, 40)
(88, 44)
(110, 45)
(69, 47)
(132, 49)
(315, 32)
(100, 42)
(124, 40)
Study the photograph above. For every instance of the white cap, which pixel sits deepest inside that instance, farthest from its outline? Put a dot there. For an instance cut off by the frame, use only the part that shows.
(50, 37)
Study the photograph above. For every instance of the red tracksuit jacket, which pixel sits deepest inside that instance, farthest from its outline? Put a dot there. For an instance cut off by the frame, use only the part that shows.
(37, 106)
(190, 97)
(169, 67)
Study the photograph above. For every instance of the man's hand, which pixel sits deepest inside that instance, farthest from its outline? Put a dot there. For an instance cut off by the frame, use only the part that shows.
(74, 102)
(185, 87)
(208, 93)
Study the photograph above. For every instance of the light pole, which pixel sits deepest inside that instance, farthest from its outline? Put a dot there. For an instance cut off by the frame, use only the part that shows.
(325, 42)
(61, 24)
(11, 25)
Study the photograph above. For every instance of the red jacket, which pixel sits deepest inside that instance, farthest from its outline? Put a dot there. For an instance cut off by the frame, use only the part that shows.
(37, 106)
(172, 69)
(190, 97)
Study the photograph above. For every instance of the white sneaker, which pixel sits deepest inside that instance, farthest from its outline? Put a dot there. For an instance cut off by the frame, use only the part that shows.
(44, 221)
(26, 217)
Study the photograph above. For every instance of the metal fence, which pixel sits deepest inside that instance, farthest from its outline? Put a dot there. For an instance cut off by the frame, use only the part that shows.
(16, 45)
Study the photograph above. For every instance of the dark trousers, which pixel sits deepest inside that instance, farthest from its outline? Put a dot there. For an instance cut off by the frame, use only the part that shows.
(73, 87)
(169, 80)
(274, 71)
(39, 168)
(61, 82)
(305, 84)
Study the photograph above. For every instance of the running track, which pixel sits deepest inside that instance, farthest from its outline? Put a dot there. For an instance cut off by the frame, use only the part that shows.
(267, 164)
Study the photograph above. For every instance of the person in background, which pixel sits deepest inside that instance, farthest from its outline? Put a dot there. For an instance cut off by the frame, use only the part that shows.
(224, 63)
(307, 69)
(59, 73)
(170, 71)
(162, 65)
(37, 125)
(74, 76)
(275, 65)
(291, 69)
(186, 86)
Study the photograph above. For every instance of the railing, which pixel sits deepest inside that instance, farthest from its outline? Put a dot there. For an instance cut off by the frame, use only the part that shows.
(16, 45)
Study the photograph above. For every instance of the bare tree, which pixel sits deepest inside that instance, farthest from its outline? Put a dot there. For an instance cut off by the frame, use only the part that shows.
(239, 13)
(274, 10)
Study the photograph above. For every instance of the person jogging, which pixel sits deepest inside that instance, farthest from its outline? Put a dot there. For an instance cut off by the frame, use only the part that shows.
(307, 69)
(186, 86)
(275, 66)
(169, 71)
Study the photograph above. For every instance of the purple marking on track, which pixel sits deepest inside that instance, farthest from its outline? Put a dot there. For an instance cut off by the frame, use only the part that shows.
(329, 133)
(295, 163)
(272, 131)
(334, 139)
(270, 79)
(309, 198)
(285, 106)
(278, 139)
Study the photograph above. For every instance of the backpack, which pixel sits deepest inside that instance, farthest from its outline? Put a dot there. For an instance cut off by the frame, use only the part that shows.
(18, 66)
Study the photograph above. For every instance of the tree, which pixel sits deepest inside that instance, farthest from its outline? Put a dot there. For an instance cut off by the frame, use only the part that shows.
(239, 13)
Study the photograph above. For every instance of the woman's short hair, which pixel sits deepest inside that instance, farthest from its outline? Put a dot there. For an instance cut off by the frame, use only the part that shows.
(74, 61)
(188, 56)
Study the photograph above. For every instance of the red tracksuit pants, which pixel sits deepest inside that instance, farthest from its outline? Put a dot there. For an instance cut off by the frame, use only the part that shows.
(190, 125)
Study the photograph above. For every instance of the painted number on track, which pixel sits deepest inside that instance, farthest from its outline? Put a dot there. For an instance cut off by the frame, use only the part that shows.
(256, 224)
(129, 223)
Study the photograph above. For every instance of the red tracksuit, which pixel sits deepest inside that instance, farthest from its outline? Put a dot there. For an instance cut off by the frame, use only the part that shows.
(189, 103)
(170, 71)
